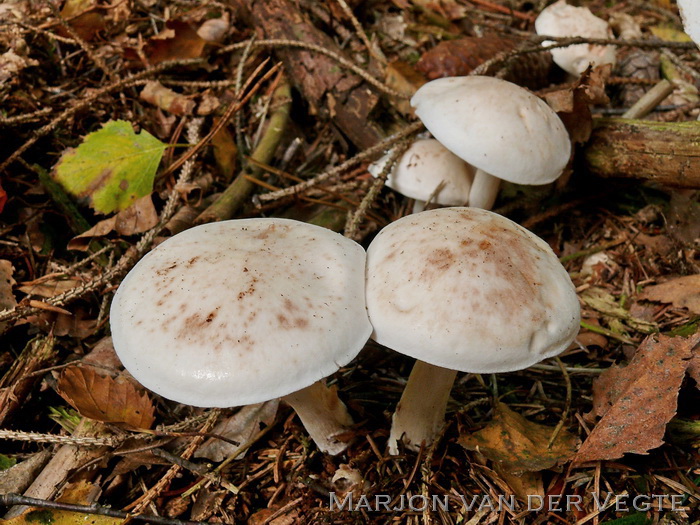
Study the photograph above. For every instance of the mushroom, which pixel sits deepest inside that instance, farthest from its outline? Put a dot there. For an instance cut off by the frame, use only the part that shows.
(244, 311)
(690, 13)
(502, 130)
(463, 289)
(563, 20)
(428, 171)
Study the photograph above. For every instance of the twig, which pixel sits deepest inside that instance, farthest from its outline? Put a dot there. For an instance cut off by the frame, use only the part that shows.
(37, 437)
(16, 499)
(240, 142)
(280, 42)
(334, 172)
(567, 406)
(239, 190)
(353, 222)
(373, 50)
(141, 503)
(649, 100)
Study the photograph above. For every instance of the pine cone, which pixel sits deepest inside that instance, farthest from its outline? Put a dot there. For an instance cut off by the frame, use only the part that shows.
(636, 64)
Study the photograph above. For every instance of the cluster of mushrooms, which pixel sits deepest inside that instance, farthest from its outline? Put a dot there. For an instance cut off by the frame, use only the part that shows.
(244, 311)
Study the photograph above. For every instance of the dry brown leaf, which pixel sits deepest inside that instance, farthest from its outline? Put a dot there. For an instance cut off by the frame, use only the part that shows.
(519, 445)
(49, 285)
(241, 427)
(403, 78)
(682, 292)
(459, 57)
(523, 485)
(166, 99)
(572, 104)
(225, 152)
(638, 400)
(179, 41)
(83, 18)
(102, 398)
(7, 298)
(137, 218)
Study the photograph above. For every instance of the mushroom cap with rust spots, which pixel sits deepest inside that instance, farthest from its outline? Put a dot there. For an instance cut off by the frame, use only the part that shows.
(495, 126)
(423, 168)
(467, 289)
(241, 311)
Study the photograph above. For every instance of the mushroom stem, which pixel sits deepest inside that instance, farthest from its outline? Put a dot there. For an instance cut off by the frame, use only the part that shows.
(484, 190)
(420, 414)
(418, 206)
(323, 415)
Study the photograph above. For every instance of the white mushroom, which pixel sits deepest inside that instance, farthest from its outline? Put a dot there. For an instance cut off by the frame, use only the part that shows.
(243, 311)
(463, 289)
(501, 129)
(428, 171)
(690, 13)
(563, 20)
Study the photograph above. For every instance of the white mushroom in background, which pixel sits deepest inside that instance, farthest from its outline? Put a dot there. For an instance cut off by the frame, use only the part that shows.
(243, 311)
(463, 289)
(690, 13)
(428, 171)
(502, 130)
(563, 20)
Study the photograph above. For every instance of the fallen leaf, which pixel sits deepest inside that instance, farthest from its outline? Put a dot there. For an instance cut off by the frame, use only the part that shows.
(638, 400)
(137, 218)
(177, 42)
(240, 427)
(112, 167)
(225, 152)
(518, 445)
(83, 18)
(605, 303)
(166, 99)
(669, 34)
(572, 104)
(523, 485)
(49, 285)
(102, 398)
(401, 77)
(682, 292)
(7, 298)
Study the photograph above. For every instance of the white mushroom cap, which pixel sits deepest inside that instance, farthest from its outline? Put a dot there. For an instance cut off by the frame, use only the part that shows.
(423, 168)
(563, 20)
(690, 13)
(242, 311)
(495, 126)
(467, 289)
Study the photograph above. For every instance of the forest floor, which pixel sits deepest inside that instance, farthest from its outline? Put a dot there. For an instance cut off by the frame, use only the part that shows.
(276, 108)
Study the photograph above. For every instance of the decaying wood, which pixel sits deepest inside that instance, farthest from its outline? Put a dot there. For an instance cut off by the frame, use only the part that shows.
(328, 89)
(664, 152)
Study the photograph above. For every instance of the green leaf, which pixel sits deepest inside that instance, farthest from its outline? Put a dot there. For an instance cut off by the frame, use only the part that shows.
(112, 167)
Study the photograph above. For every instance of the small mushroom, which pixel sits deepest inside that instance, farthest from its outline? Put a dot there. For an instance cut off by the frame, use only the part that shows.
(502, 130)
(690, 13)
(244, 311)
(428, 171)
(563, 20)
(463, 289)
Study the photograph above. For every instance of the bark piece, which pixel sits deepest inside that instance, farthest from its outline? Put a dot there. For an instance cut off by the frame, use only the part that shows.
(663, 152)
(330, 90)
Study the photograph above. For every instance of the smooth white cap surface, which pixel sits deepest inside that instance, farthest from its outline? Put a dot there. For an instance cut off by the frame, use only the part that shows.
(243, 311)
(495, 126)
(469, 290)
(690, 13)
(423, 167)
(564, 20)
